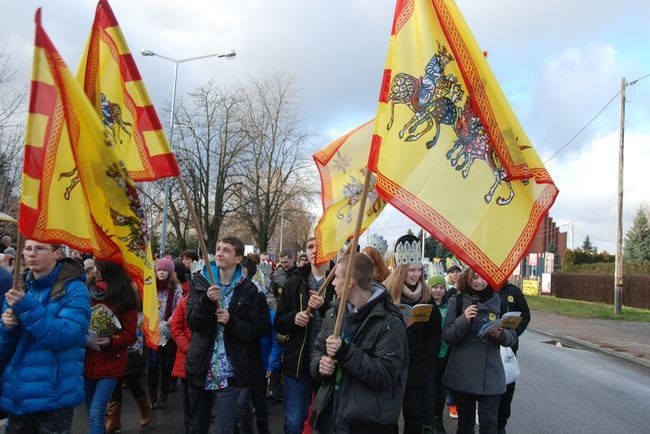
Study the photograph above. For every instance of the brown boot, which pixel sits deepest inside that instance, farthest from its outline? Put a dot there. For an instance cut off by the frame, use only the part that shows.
(113, 421)
(145, 411)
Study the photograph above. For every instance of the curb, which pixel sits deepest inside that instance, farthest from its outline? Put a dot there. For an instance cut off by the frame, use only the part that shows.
(594, 347)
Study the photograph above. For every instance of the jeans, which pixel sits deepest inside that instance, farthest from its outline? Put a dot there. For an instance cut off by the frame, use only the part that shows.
(44, 422)
(297, 397)
(98, 393)
(488, 406)
(225, 410)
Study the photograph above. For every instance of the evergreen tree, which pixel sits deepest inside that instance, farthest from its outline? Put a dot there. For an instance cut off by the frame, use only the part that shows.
(637, 239)
(586, 245)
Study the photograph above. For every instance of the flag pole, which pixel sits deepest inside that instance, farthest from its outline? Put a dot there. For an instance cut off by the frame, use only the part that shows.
(197, 226)
(352, 249)
(327, 281)
(19, 259)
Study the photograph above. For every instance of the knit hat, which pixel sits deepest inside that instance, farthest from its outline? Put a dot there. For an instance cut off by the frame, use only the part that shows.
(166, 263)
(436, 280)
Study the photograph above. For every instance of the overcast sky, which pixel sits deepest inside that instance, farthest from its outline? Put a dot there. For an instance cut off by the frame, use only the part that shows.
(559, 62)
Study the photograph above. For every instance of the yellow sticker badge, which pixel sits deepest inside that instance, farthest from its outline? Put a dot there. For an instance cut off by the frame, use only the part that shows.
(511, 299)
(492, 316)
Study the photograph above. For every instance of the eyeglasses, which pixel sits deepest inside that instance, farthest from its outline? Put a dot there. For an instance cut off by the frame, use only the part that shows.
(37, 249)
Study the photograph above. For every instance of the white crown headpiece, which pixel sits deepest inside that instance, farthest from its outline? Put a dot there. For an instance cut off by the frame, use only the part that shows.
(408, 250)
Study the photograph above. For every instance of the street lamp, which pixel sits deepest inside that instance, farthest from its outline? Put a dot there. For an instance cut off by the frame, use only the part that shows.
(227, 55)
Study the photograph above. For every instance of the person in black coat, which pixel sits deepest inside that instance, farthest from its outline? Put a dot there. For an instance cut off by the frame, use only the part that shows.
(407, 286)
(227, 319)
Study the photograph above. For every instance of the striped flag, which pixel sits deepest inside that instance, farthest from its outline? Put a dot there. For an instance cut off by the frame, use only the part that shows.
(113, 84)
(76, 190)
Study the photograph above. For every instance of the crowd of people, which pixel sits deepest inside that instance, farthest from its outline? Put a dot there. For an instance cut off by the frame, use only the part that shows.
(242, 332)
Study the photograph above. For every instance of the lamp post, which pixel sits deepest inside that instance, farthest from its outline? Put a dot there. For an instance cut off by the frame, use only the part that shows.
(227, 55)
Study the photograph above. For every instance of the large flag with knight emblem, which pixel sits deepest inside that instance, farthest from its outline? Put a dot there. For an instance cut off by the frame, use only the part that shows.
(448, 150)
(76, 189)
(111, 80)
(342, 169)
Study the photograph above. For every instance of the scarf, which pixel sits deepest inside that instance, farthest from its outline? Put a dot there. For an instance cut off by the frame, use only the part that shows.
(412, 295)
(99, 291)
(163, 286)
(483, 295)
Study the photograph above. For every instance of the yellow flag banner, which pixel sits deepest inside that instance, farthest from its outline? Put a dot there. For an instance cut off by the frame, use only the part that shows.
(114, 86)
(342, 169)
(75, 189)
(448, 150)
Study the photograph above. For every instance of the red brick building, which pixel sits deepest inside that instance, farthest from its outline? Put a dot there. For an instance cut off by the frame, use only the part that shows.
(548, 232)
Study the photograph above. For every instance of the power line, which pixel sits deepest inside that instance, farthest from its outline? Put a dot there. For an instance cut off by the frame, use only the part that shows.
(631, 83)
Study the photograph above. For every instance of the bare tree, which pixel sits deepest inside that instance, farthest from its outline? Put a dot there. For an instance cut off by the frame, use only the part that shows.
(208, 147)
(11, 141)
(274, 154)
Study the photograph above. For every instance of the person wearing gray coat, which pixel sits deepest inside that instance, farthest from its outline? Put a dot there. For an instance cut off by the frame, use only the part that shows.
(475, 371)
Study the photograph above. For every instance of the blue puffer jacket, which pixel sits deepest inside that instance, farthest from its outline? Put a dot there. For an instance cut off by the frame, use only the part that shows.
(44, 355)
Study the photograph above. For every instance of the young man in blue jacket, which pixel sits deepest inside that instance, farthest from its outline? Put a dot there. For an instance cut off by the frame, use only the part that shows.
(42, 342)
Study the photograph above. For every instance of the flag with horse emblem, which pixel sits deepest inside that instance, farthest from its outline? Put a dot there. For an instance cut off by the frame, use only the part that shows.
(76, 189)
(448, 150)
(342, 169)
(113, 84)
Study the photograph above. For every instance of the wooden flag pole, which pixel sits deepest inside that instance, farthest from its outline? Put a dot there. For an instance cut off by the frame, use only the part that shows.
(327, 281)
(20, 242)
(353, 248)
(197, 226)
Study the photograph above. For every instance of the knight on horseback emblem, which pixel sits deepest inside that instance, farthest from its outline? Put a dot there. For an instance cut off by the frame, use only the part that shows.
(435, 100)
(112, 119)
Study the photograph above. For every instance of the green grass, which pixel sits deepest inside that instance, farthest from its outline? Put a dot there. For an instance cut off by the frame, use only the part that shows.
(586, 309)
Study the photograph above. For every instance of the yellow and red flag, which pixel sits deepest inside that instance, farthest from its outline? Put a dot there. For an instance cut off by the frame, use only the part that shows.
(111, 80)
(342, 169)
(76, 190)
(448, 150)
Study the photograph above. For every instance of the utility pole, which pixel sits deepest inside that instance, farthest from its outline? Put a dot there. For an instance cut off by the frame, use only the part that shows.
(618, 273)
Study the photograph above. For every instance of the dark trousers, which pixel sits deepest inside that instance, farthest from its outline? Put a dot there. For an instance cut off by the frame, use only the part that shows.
(200, 406)
(488, 406)
(161, 363)
(504, 406)
(413, 409)
(441, 391)
(429, 397)
(44, 422)
(134, 383)
(257, 395)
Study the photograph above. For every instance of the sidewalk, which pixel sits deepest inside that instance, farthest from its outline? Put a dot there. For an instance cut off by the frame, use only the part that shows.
(623, 339)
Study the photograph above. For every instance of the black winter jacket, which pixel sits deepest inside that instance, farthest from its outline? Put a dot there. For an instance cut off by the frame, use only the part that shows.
(371, 369)
(424, 346)
(293, 299)
(249, 320)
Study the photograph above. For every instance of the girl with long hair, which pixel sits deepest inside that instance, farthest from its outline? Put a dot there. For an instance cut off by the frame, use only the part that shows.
(161, 362)
(106, 358)
(406, 285)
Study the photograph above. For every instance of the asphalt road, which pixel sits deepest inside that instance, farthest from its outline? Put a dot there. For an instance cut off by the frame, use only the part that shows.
(561, 390)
